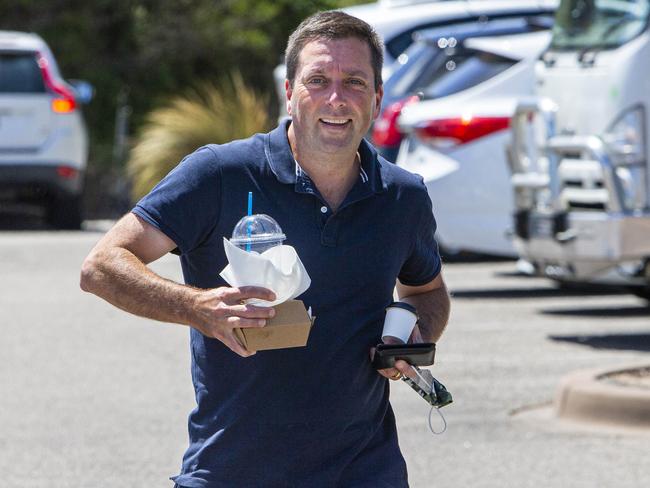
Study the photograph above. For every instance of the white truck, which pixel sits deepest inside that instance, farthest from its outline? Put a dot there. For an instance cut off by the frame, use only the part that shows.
(579, 157)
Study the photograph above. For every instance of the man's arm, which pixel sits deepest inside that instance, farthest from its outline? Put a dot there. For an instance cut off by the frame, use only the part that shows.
(432, 303)
(116, 270)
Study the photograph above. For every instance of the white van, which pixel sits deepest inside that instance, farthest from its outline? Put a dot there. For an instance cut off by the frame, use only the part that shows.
(43, 141)
(580, 158)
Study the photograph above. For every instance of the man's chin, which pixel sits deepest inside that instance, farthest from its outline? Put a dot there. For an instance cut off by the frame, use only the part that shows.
(335, 145)
(338, 138)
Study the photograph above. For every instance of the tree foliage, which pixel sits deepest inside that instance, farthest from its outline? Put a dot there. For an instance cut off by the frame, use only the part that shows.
(147, 51)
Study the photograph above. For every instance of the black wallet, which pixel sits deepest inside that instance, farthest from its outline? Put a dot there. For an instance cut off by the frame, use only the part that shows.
(421, 354)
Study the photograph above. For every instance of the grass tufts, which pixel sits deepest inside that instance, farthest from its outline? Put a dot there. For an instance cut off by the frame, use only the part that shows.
(209, 113)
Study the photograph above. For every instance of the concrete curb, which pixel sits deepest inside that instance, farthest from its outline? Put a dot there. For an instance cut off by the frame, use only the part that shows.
(586, 396)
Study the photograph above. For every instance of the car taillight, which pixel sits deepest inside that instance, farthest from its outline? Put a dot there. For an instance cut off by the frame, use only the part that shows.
(63, 101)
(67, 172)
(385, 132)
(461, 130)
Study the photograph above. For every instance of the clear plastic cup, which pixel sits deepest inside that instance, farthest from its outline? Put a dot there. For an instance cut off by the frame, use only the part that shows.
(257, 233)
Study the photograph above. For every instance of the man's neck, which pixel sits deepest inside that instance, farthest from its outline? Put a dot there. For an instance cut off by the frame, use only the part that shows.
(334, 174)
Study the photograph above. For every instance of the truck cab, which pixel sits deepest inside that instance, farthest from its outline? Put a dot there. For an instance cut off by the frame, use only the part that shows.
(579, 157)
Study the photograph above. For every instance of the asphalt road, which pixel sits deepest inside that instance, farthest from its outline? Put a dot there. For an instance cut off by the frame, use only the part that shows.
(94, 397)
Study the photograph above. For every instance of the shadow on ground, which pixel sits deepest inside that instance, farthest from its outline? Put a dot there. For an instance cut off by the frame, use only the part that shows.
(628, 342)
(34, 221)
(611, 312)
(513, 274)
(23, 218)
(534, 292)
(469, 257)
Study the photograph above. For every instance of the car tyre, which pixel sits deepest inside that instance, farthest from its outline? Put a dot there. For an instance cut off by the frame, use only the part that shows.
(65, 213)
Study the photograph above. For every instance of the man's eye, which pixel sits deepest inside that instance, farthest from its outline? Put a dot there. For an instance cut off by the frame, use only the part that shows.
(356, 82)
(316, 81)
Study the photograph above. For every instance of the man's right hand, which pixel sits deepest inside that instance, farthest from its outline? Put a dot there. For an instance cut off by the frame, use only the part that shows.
(218, 311)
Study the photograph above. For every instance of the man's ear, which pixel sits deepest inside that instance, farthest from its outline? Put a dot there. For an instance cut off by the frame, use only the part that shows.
(378, 97)
(289, 92)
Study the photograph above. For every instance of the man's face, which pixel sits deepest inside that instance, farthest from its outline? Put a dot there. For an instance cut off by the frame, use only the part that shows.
(333, 99)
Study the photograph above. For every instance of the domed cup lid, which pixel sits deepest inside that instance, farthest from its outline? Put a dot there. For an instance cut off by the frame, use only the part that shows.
(258, 228)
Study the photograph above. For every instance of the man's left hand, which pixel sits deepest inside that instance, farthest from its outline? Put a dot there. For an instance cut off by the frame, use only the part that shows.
(402, 368)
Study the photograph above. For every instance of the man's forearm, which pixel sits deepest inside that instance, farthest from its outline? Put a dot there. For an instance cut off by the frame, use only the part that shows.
(433, 310)
(119, 277)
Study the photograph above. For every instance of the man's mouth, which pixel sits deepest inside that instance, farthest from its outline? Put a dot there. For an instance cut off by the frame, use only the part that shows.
(335, 122)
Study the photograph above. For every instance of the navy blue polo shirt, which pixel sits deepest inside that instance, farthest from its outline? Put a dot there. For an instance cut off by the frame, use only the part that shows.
(316, 416)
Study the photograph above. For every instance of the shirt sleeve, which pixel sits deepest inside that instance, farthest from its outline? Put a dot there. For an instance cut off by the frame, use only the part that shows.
(185, 205)
(423, 263)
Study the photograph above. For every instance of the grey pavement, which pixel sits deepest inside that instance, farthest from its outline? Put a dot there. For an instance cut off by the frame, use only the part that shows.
(94, 397)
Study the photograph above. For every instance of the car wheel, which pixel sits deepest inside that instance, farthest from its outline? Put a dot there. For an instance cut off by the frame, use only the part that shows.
(65, 213)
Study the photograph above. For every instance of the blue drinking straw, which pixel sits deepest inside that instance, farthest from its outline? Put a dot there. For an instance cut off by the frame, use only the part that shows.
(248, 226)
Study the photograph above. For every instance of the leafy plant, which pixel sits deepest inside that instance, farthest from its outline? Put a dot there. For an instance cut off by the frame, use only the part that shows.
(210, 113)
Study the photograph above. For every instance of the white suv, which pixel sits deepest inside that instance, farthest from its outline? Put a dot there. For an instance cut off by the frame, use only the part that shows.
(43, 140)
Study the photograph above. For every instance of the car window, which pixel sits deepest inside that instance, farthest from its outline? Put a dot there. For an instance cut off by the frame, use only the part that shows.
(439, 72)
(19, 73)
(425, 66)
(462, 71)
(400, 43)
(422, 58)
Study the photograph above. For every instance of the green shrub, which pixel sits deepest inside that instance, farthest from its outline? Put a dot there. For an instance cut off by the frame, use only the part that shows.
(211, 113)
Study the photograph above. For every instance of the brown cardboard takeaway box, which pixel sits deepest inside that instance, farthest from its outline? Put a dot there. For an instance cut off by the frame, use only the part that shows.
(288, 328)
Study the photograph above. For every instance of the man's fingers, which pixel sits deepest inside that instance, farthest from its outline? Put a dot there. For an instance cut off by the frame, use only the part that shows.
(235, 346)
(251, 311)
(242, 322)
(402, 368)
(416, 337)
(235, 295)
(390, 373)
(405, 368)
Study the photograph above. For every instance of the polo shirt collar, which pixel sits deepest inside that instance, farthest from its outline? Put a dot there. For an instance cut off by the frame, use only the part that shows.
(284, 166)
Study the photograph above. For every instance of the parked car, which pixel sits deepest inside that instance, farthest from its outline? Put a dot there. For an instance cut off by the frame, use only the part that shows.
(397, 21)
(457, 142)
(430, 55)
(43, 140)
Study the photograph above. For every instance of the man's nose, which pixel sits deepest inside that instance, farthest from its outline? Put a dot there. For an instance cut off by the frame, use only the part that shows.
(337, 94)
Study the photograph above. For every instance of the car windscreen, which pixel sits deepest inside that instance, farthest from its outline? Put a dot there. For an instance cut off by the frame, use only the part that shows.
(600, 24)
(442, 73)
(19, 73)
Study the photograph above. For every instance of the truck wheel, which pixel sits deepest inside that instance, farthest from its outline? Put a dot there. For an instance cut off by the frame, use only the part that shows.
(642, 292)
(65, 213)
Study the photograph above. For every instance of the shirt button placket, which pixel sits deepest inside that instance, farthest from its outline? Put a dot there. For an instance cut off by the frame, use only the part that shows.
(329, 232)
(323, 215)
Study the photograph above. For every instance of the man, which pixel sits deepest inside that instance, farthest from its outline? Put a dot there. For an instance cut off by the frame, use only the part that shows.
(316, 416)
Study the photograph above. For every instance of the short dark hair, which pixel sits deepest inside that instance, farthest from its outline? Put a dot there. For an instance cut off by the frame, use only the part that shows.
(333, 24)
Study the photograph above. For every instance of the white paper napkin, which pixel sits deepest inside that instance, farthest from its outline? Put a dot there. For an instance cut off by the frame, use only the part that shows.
(278, 268)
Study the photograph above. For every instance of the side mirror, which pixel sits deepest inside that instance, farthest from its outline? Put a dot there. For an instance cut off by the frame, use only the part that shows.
(83, 91)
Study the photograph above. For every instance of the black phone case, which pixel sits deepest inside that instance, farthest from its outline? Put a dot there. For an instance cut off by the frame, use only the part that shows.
(415, 354)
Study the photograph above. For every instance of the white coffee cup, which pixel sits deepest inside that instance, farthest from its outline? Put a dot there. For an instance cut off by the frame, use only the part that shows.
(400, 320)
